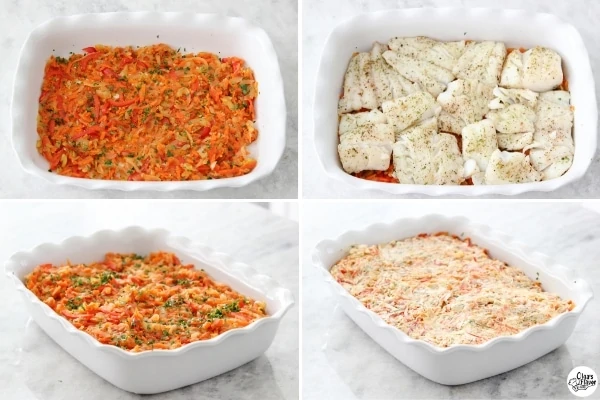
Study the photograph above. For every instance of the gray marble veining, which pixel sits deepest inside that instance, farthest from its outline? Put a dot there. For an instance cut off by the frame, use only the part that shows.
(32, 366)
(319, 18)
(277, 17)
(340, 361)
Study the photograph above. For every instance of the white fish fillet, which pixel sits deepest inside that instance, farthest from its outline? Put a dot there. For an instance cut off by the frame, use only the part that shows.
(553, 149)
(514, 141)
(351, 99)
(389, 84)
(479, 142)
(481, 61)
(359, 86)
(447, 160)
(351, 121)
(464, 102)
(410, 110)
(365, 142)
(369, 133)
(505, 97)
(554, 112)
(471, 170)
(412, 154)
(538, 69)
(506, 167)
(514, 118)
(358, 157)
(552, 161)
(430, 77)
(442, 54)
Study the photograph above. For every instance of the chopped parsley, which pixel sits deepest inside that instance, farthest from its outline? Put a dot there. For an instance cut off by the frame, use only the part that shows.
(74, 304)
(77, 280)
(106, 277)
(245, 88)
(223, 310)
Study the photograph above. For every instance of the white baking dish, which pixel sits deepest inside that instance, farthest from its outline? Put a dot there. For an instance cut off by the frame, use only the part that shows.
(195, 32)
(516, 28)
(159, 370)
(460, 364)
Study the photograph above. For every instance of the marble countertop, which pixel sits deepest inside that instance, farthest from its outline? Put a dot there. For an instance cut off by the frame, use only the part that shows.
(32, 366)
(341, 362)
(277, 17)
(319, 18)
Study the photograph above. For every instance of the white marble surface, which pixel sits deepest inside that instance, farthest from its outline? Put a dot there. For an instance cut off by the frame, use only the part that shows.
(32, 366)
(319, 18)
(277, 17)
(341, 362)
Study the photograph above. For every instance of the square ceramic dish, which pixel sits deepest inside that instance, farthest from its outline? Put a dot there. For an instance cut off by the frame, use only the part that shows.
(158, 370)
(460, 364)
(195, 32)
(516, 28)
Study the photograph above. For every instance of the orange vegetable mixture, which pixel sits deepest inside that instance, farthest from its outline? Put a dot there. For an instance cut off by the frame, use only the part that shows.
(147, 114)
(142, 303)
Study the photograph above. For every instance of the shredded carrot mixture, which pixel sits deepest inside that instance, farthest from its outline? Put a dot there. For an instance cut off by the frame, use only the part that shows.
(147, 114)
(445, 290)
(142, 303)
(379, 176)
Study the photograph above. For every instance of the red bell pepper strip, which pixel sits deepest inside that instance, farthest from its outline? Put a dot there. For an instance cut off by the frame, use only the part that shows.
(205, 132)
(145, 165)
(123, 103)
(51, 125)
(97, 107)
(136, 176)
(126, 60)
(143, 64)
(56, 159)
(76, 315)
(194, 85)
(60, 106)
(90, 49)
(84, 60)
(87, 131)
(109, 72)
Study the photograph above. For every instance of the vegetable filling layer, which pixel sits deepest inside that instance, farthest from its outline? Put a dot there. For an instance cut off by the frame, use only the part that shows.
(147, 114)
(142, 303)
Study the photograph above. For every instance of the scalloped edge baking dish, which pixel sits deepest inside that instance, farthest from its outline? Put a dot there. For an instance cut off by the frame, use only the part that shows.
(517, 28)
(218, 34)
(158, 370)
(460, 364)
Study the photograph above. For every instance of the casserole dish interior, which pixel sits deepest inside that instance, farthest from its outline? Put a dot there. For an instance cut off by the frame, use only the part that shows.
(516, 28)
(171, 368)
(220, 35)
(459, 364)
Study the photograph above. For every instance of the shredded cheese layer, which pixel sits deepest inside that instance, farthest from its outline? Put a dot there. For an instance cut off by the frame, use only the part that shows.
(444, 290)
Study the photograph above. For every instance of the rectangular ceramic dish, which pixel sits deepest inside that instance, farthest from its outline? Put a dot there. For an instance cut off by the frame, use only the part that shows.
(516, 28)
(460, 364)
(195, 32)
(158, 370)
